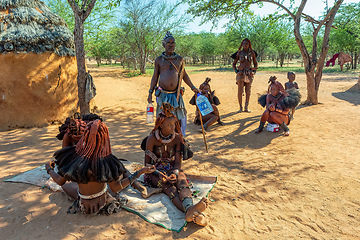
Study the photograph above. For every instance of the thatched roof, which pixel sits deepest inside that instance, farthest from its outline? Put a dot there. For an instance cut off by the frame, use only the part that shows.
(30, 26)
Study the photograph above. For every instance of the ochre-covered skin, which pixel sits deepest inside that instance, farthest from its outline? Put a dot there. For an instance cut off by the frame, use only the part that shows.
(36, 89)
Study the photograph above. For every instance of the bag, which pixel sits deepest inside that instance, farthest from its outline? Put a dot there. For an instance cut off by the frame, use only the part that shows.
(185, 149)
(157, 92)
(272, 127)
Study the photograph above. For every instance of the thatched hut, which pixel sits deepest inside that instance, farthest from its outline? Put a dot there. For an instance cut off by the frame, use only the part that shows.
(37, 65)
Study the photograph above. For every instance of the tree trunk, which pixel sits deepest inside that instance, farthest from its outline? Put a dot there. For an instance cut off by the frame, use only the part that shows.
(80, 58)
(80, 16)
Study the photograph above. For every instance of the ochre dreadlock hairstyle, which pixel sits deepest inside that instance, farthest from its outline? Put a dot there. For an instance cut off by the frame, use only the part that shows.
(278, 85)
(91, 159)
(205, 83)
(166, 113)
(245, 40)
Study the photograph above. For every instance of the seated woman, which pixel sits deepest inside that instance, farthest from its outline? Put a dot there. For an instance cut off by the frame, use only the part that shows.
(91, 168)
(277, 107)
(71, 132)
(212, 117)
(163, 150)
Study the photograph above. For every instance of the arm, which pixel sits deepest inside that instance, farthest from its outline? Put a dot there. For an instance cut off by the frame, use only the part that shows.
(296, 86)
(178, 159)
(117, 186)
(282, 111)
(67, 141)
(234, 63)
(286, 86)
(55, 176)
(255, 61)
(188, 82)
(154, 79)
(150, 147)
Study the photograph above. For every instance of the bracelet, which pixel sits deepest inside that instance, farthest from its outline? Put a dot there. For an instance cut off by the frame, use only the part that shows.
(176, 172)
(151, 91)
(236, 71)
(49, 170)
(193, 87)
(133, 177)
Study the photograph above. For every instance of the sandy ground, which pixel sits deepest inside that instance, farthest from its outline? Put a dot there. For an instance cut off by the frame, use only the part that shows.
(305, 186)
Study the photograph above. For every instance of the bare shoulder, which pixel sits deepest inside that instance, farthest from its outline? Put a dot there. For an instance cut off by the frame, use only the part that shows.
(158, 59)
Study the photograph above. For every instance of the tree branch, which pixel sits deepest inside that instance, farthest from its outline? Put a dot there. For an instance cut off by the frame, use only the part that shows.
(89, 8)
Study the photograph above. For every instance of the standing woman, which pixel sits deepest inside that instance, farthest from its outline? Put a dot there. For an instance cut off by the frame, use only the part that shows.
(245, 72)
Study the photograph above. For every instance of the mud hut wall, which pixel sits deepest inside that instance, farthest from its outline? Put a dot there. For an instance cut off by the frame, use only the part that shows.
(36, 89)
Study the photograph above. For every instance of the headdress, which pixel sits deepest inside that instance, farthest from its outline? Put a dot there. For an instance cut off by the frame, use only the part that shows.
(205, 83)
(278, 85)
(167, 35)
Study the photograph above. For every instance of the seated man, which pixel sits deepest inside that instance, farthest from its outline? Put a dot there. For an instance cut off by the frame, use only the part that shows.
(277, 110)
(212, 117)
(163, 150)
(91, 168)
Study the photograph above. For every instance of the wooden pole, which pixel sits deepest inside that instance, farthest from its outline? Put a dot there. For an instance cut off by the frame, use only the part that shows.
(202, 125)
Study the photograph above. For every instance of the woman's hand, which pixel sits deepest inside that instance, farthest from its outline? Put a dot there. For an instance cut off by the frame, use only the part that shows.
(271, 107)
(172, 178)
(148, 169)
(49, 165)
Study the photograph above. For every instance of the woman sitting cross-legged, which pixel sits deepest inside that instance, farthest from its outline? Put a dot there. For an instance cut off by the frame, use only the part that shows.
(90, 167)
(163, 150)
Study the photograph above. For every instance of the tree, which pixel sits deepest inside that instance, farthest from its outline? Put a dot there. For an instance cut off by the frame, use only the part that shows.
(143, 25)
(213, 10)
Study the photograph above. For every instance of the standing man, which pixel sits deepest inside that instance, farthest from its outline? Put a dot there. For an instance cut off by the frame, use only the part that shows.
(169, 71)
(245, 73)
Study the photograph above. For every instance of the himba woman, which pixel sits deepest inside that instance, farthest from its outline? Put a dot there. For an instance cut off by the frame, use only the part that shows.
(163, 150)
(212, 117)
(73, 129)
(277, 102)
(91, 167)
(245, 73)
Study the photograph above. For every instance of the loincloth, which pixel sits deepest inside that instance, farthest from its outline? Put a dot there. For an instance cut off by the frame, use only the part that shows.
(245, 76)
(170, 97)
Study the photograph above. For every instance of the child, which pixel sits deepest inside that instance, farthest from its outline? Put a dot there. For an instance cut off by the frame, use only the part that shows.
(290, 86)
(212, 117)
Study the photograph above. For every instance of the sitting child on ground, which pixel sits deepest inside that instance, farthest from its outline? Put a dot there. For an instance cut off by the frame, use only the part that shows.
(212, 117)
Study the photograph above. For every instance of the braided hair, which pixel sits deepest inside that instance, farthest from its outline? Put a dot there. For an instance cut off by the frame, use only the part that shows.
(164, 114)
(243, 41)
(91, 159)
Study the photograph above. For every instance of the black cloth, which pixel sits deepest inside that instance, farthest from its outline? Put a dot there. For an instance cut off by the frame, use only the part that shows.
(80, 169)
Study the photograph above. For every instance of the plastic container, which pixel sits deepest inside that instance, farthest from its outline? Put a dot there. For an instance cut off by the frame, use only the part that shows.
(150, 113)
(203, 104)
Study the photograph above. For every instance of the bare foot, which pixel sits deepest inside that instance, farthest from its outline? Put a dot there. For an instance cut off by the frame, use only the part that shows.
(200, 130)
(200, 219)
(221, 122)
(258, 130)
(149, 191)
(145, 192)
(199, 207)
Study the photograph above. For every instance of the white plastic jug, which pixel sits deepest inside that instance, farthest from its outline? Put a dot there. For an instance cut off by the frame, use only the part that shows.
(204, 105)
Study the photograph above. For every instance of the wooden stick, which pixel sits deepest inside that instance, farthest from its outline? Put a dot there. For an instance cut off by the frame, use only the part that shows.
(180, 74)
(202, 125)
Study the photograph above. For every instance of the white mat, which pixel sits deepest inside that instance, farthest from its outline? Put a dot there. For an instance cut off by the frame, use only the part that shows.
(157, 209)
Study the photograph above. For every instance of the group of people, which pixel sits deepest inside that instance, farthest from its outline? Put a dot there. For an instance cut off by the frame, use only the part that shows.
(89, 172)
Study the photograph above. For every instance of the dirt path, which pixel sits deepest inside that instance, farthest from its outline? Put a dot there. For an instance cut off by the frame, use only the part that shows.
(306, 185)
